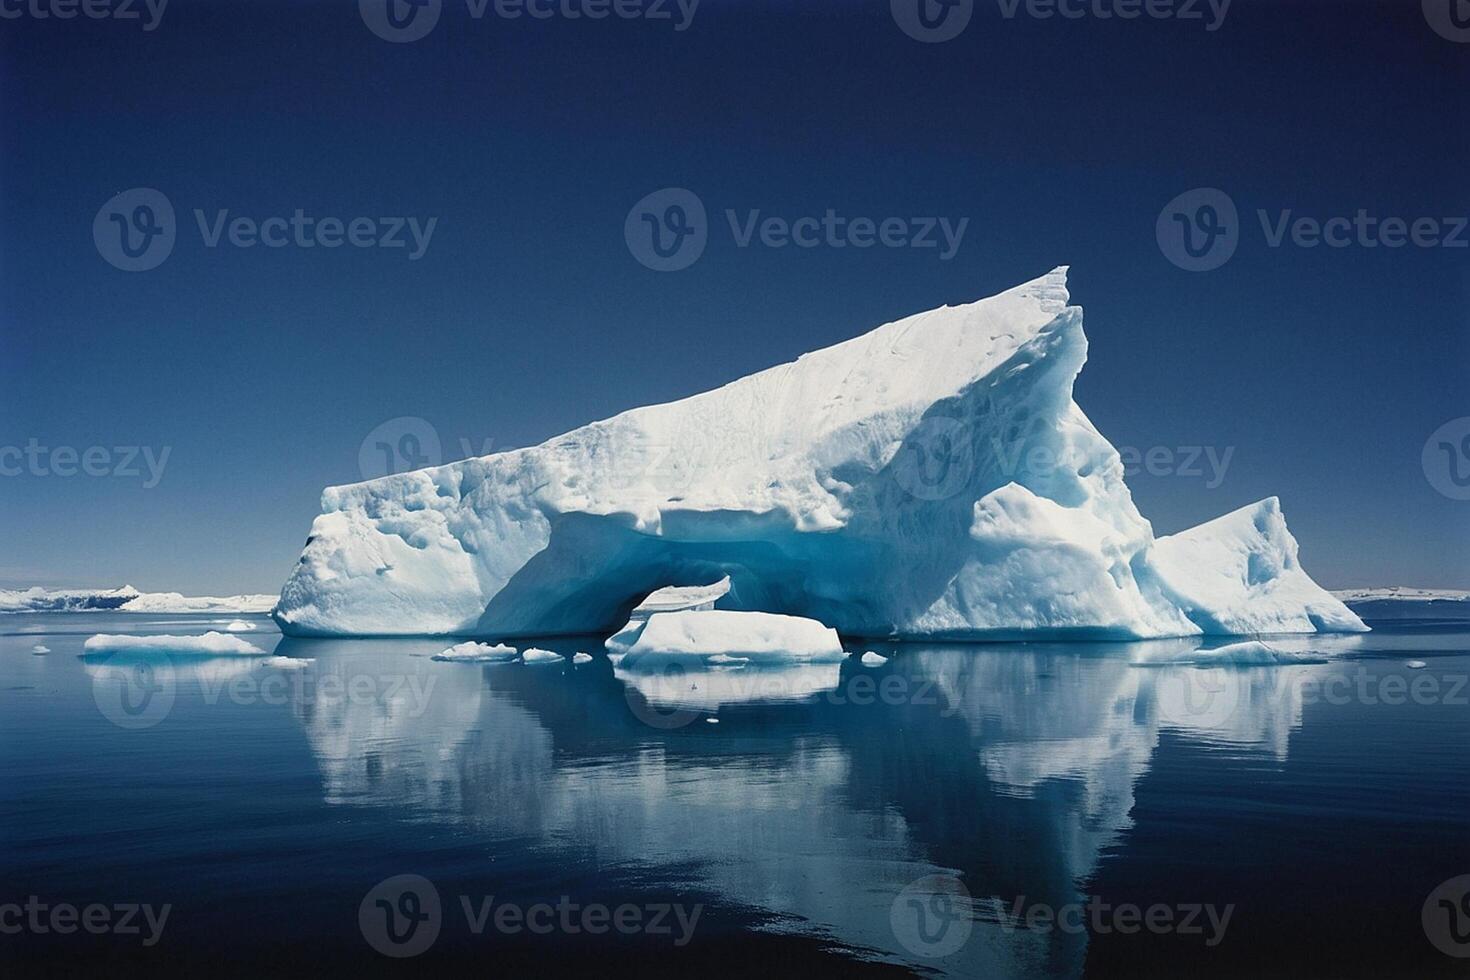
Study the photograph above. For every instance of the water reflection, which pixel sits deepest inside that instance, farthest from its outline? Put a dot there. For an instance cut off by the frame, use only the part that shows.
(814, 793)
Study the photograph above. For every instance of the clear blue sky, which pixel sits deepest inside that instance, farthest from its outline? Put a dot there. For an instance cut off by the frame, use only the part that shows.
(263, 369)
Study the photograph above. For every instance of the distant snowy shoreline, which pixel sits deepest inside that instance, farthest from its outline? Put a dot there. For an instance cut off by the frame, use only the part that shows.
(1398, 593)
(127, 599)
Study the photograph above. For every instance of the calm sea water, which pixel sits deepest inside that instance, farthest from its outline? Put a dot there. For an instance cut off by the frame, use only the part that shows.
(962, 810)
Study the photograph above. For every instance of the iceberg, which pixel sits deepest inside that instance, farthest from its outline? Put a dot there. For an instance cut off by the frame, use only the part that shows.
(288, 663)
(211, 644)
(471, 652)
(930, 479)
(717, 633)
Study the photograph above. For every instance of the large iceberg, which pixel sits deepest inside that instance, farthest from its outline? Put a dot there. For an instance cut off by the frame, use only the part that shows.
(932, 478)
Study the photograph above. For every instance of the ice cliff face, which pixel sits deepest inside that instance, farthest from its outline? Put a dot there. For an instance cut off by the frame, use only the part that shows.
(931, 478)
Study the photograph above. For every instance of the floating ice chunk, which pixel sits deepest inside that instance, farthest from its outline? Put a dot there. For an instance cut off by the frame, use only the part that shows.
(871, 659)
(1249, 653)
(239, 626)
(39, 648)
(210, 644)
(289, 663)
(725, 660)
(536, 656)
(682, 598)
(1416, 665)
(478, 653)
(582, 658)
(766, 637)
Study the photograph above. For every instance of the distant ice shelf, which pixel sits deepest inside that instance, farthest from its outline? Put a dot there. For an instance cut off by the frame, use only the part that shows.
(930, 479)
(127, 599)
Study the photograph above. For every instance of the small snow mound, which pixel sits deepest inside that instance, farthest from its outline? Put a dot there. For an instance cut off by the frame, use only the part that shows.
(1416, 665)
(478, 653)
(582, 658)
(211, 644)
(536, 656)
(289, 663)
(871, 659)
(239, 626)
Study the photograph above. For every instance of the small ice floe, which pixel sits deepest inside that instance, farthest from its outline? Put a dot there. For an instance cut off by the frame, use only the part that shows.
(712, 721)
(211, 644)
(478, 653)
(1416, 665)
(871, 659)
(239, 626)
(725, 660)
(1246, 653)
(39, 649)
(289, 663)
(537, 656)
(582, 658)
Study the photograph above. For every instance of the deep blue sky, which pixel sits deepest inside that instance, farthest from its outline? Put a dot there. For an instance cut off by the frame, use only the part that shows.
(263, 370)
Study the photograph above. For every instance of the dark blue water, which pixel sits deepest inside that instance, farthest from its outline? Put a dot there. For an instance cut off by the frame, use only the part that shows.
(933, 815)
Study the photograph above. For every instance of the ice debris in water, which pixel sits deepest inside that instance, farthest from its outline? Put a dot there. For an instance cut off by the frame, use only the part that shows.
(210, 644)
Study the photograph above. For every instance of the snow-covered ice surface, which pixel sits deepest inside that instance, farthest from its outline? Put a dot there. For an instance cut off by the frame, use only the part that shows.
(763, 637)
(1399, 593)
(932, 478)
(210, 644)
(538, 656)
(127, 599)
(479, 653)
(288, 663)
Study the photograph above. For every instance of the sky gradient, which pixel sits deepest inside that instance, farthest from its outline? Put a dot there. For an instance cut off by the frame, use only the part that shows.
(1321, 370)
